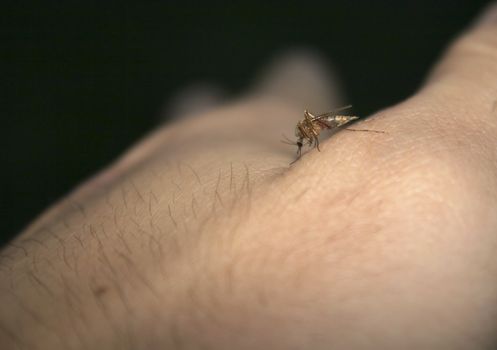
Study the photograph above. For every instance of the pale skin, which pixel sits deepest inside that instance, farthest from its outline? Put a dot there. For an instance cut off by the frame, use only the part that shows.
(202, 236)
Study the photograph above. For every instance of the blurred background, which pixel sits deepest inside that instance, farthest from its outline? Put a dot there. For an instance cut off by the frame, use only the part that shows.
(81, 81)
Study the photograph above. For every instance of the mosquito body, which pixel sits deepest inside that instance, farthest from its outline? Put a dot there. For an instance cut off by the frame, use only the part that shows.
(308, 129)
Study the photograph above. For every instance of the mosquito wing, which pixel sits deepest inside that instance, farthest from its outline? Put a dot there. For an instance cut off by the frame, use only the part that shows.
(326, 116)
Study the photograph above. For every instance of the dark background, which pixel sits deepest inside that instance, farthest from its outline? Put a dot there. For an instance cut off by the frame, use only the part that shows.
(81, 81)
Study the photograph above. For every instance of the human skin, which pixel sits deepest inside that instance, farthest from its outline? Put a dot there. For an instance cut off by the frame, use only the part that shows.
(203, 236)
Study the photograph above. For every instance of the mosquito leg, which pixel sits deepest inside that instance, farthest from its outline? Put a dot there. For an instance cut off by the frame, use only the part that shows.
(322, 124)
(366, 130)
(316, 142)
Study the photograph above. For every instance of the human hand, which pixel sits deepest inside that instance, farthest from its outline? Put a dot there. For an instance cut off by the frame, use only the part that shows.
(203, 236)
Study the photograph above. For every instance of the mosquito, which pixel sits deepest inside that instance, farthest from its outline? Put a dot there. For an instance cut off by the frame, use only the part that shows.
(308, 129)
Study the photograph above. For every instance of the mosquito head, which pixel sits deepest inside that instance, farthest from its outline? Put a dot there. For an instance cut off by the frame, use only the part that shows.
(298, 134)
(299, 130)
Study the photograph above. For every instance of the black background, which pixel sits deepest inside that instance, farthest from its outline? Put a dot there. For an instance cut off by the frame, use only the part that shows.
(81, 81)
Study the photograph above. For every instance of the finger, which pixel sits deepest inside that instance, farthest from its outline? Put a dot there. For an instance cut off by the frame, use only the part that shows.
(195, 99)
(302, 79)
(468, 70)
